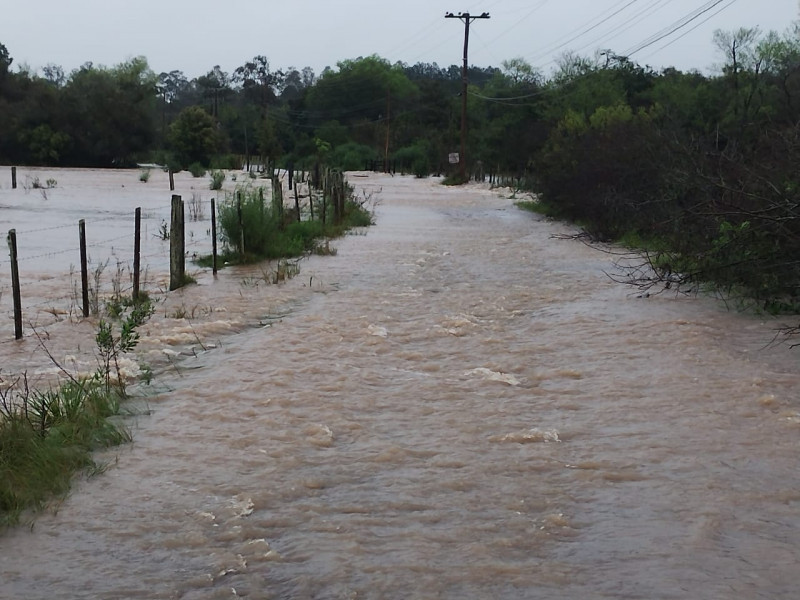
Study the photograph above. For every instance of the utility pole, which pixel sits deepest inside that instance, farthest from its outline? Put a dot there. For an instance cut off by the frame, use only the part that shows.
(466, 18)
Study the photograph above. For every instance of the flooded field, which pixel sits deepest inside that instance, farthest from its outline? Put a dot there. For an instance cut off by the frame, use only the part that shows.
(455, 405)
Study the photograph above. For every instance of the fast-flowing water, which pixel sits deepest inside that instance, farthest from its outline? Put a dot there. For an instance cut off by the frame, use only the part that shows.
(456, 405)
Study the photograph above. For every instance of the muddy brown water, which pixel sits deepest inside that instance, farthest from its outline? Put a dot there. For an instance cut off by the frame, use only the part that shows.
(456, 405)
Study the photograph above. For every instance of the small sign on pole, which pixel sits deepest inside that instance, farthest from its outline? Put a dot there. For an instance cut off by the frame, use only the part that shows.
(454, 158)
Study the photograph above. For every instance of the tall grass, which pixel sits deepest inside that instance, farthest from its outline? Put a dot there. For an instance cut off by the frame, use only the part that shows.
(271, 233)
(46, 436)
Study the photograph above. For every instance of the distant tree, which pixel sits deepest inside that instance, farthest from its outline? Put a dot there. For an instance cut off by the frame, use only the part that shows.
(5, 61)
(216, 86)
(54, 74)
(108, 113)
(259, 82)
(194, 137)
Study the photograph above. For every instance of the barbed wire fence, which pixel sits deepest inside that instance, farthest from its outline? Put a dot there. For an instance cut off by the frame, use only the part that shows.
(110, 267)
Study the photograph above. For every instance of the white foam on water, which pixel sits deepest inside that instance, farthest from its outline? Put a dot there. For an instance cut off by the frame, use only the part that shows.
(490, 375)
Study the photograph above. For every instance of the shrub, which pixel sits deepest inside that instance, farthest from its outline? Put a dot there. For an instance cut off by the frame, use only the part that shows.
(217, 178)
(197, 170)
(351, 156)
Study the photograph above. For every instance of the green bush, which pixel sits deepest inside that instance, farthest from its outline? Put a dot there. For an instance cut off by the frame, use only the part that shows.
(217, 178)
(197, 170)
(416, 158)
(268, 235)
(351, 156)
(226, 162)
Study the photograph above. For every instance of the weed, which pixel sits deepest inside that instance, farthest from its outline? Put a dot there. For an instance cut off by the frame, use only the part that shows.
(94, 291)
(196, 211)
(144, 176)
(456, 179)
(47, 435)
(111, 347)
(217, 178)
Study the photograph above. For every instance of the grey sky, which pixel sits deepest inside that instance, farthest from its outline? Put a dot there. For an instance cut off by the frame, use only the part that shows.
(195, 35)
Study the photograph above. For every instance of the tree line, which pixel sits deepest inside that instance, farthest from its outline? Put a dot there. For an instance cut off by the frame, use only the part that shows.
(698, 169)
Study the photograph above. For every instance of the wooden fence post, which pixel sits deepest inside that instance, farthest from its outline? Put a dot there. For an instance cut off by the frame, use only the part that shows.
(296, 202)
(310, 201)
(241, 223)
(84, 268)
(213, 236)
(277, 199)
(177, 257)
(13, 178)
(171, 181)
(137, 247)
(12, 249)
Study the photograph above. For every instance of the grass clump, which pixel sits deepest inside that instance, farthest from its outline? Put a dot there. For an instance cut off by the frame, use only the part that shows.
(253, 229)
(46, 436)
(455, 179)
(217, 179)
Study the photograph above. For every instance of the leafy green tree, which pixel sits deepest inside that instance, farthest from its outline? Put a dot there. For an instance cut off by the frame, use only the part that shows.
(194, 137)
(108, 113)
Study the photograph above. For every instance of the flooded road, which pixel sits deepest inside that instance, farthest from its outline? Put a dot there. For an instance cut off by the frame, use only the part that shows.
(456, 405)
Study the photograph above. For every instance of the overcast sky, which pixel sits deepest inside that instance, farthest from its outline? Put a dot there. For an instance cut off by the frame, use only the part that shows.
(194, 35)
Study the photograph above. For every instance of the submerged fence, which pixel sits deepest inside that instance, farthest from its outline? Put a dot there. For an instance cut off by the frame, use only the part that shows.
(81, 288)
(177, 254)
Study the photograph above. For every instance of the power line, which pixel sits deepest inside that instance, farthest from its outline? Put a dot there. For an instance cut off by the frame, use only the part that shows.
(704, 21)
(672, 28)
(551, 49)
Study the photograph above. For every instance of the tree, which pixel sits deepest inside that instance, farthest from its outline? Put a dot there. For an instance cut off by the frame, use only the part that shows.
(215, 85)
(194, 136)
(108, 113)
(259, 82)
(54, 74)
(5, 62)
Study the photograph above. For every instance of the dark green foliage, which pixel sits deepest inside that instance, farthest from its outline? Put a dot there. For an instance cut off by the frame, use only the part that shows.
(699, 170)
(269, 235)
(197, 170)
(351, 156)
(194, 137)
(45, 437)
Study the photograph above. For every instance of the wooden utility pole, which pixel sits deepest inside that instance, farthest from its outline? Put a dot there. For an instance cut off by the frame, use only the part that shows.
(388, 125)
(466, 18)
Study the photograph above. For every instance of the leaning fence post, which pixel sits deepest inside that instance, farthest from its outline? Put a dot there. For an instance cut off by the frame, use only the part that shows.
(13, 178)
(213, 236)
(12, 249)
(84, 268)
(137, 247)
(177, 257)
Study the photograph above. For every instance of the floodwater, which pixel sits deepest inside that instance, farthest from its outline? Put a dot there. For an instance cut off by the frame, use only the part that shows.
(456, 405)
